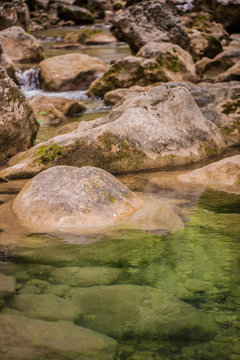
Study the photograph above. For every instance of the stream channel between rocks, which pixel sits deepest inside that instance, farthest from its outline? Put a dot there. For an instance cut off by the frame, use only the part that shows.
(164, 286)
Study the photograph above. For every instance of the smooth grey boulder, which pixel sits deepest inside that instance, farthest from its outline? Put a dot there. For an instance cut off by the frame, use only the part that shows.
(149, 21)
(18, 126)
(30, 339)
(66, 198)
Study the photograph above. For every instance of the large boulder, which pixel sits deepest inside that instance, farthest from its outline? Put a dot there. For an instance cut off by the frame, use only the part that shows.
(149, 21)
(223, 172)
(140, 312)
(30, 339)
(75, 13)
(14, 12)
(154, 62)
(71, 199)
(159, 127)
(20, 46)
(70, 72)
(18, 126)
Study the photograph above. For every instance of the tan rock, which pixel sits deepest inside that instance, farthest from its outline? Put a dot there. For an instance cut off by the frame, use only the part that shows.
(18, 126)
(70, 72)
(65, 198)
(223, 172)
(20, 46)
(89, 37)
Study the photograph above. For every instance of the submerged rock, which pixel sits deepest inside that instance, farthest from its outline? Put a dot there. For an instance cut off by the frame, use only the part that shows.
(20, 46)
(86, 276)
(45, 307)
(29, 339)
(160, 127)
(140, 312)
(149, 21)
(66, 198)
(223, 172)
(18, 126)
(70, 72)
(7, 286)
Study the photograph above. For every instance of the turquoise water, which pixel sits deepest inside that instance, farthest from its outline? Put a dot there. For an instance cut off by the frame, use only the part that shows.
(159, 293)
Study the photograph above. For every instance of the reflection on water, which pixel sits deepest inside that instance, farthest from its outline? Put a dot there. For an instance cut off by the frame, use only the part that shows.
(158, 294)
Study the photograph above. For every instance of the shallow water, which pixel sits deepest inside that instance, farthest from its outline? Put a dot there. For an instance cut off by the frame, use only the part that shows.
(164, 285)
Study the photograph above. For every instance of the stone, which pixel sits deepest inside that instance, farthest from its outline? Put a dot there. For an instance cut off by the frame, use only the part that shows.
(20, 46)
(89, 37)
(204, 45)
(14, 12)
(160, 127)
(7, 64)
(7, 286)
(149, 21)
(212, 68)
(133, 311)
(47, 339)
(233, 73)
(75, 13)
(88, 276)
(154, 62)
(66, 198)
(223, 172)
(228, 13)
(47, 114)
(45, 307)
(70, 72)
(69, 107)
(178, 63)
(18, 126)
(112, 97)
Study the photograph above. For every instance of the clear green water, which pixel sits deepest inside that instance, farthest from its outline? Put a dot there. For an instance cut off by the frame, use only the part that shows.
(159, 294)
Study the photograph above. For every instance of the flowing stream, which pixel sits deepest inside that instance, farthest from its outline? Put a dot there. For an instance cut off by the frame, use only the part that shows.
(164, 286)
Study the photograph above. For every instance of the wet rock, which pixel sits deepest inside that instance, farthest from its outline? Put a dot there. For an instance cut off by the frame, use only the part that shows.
(88, 276)
(177, 63)
(12, 13)
(160, 127)
(149, 21)
(140, 311)
(89, 198)
(210, 69)
(70, 72)
(89, 37)
(20, 46)
(18, 126)
(7, 286)
(223, 172)
(45, 307)
(75, 13)
(45, 339)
